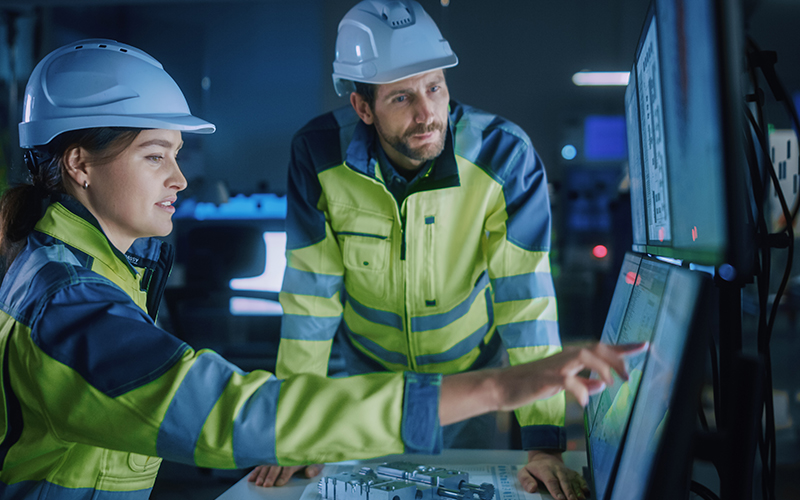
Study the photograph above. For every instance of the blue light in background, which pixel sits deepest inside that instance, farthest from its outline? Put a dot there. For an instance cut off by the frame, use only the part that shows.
(605, 138)
(255, 206)
(569, 152)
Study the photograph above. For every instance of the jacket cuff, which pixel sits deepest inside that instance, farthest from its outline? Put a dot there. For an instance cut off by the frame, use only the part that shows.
(541, 437)
(420, 429)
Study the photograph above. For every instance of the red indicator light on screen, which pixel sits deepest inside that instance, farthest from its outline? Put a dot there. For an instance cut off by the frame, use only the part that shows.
(632, 278)
(600, 251)
(661, 234)
(694, 233)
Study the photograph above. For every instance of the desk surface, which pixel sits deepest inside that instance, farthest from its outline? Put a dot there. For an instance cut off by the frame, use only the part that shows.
(245, 490)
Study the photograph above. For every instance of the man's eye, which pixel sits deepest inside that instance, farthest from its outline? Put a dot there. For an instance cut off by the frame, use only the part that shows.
(400, 98)
(435, 88)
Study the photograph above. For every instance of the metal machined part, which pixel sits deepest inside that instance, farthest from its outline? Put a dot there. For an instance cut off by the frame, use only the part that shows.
(403, 481)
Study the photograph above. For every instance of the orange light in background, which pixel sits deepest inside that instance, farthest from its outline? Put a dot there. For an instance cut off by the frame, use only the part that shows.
(661, 234)
(600, 251)
(694, 233)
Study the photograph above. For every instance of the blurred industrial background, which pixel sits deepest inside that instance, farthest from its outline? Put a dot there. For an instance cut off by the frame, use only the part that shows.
(260, 69)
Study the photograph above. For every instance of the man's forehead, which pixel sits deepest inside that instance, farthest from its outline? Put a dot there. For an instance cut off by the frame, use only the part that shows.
(412, 82)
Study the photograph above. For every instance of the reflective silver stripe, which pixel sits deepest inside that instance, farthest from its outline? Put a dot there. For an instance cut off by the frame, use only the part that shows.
(315, 328)
(534, 333)
(523, 287)
(314, 284)
(437, 321)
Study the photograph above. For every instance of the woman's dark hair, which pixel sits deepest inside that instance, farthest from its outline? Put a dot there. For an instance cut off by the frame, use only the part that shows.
(22, 206)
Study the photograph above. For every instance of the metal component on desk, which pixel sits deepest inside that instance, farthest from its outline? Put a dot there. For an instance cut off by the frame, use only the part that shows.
(403, 481)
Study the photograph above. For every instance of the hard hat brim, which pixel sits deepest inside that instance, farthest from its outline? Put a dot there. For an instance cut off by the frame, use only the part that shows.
(32, 134)
(416, 69)
(392, 76)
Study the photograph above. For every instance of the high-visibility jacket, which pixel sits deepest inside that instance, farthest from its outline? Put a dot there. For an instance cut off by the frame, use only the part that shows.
(426, 285)
(93, 390)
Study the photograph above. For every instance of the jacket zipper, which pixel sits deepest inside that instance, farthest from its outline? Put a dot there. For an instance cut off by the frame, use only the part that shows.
(403, 272)
(412, 365)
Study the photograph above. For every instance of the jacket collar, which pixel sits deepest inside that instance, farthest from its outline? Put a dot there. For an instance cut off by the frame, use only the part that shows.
(69, 221)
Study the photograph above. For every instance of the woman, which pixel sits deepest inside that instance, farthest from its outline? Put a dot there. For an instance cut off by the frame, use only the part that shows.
(92, 390)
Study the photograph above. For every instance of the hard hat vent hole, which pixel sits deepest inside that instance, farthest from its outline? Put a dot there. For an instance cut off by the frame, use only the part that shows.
(397, 14)
(102, 46)
(123, 50)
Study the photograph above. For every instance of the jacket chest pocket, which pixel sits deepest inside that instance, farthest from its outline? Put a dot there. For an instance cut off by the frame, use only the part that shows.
(366, 244)
(366, 253)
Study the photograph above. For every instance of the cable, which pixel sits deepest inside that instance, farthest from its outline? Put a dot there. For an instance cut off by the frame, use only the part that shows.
(764, 337)
(702, 491)
(767, 438)
(781, 95)
(763, 278)
(715, 377)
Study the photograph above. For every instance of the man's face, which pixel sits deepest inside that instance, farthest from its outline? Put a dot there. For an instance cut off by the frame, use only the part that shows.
(411, 118)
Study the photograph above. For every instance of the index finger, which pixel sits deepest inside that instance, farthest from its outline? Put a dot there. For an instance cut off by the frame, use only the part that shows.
(631, 349)
(614, 356)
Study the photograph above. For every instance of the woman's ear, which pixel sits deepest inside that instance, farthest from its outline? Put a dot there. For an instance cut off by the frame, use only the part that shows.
(362, 107)
(75, 166)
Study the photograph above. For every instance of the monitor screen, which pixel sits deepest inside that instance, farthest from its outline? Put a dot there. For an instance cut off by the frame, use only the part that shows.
(665, 405)
(651, 120)
(650, 297)
(685, 100)
(635, 166)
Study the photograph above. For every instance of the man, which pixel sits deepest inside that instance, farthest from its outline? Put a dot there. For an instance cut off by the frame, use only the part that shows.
(419, 229)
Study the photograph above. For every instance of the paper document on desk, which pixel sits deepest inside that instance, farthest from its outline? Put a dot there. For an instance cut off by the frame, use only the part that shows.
(503, 477)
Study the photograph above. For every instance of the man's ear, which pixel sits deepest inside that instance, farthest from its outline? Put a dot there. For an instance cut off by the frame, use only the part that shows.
(75, 165)
(362, 108)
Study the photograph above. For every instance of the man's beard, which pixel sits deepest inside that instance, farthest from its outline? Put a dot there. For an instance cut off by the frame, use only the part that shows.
(423, 153)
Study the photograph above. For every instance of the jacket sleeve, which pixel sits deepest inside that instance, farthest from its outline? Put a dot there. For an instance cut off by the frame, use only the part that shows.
(312, 284)
(523, 291)
(99, 372)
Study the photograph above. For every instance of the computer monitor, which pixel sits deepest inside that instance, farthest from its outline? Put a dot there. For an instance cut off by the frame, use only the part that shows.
(658, 302)
(687, 163)
(635, 168)
(656, 456)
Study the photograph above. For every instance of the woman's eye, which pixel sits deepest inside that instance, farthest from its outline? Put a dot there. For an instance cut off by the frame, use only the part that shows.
(155, 158)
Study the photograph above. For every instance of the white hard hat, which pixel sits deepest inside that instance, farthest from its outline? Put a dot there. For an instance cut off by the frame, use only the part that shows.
(383, 41)
(101, 83)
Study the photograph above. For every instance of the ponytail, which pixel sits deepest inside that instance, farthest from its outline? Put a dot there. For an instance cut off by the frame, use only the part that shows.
(22, 206)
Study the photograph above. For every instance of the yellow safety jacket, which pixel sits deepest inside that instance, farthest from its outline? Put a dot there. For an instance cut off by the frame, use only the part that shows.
(93, 391)
(429, 285)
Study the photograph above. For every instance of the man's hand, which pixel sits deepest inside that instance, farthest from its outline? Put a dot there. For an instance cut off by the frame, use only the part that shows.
(275, 475)
(548, 468)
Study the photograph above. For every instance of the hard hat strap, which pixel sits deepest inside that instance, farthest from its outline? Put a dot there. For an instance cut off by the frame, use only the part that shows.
(32, 162)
